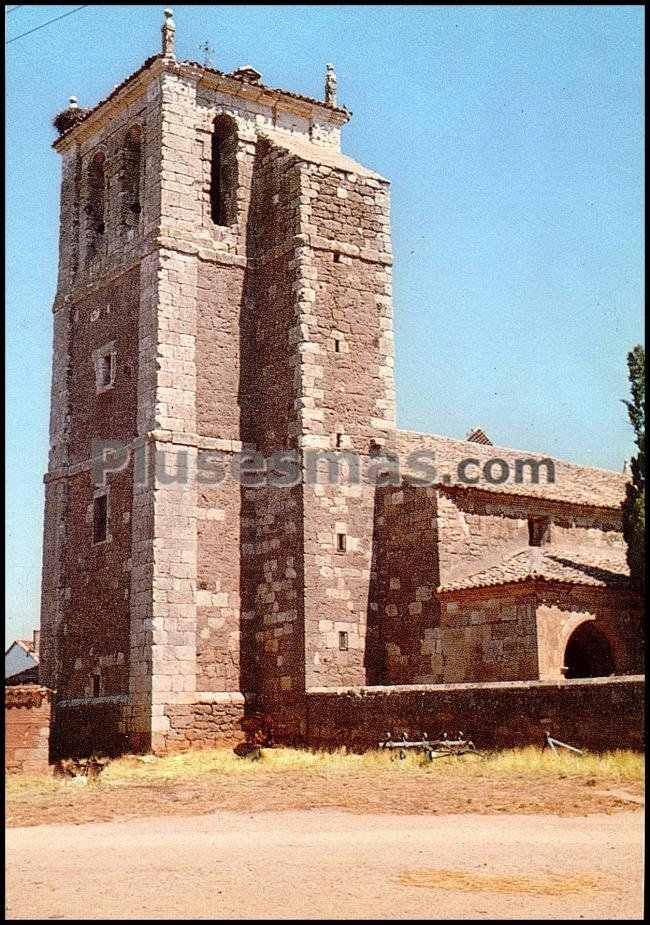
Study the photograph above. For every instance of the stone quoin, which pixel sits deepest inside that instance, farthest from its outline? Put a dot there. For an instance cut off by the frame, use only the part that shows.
(225, 285)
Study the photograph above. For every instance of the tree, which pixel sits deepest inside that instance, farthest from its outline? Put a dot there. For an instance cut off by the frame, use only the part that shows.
(634, 504)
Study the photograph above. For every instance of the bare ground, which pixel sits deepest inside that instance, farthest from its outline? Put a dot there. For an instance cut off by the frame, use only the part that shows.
(324, 863)
(379, 790)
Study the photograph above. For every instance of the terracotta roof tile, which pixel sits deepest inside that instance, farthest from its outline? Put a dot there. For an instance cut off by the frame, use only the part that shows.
(593, 566)
(573, 484)
(27, 695)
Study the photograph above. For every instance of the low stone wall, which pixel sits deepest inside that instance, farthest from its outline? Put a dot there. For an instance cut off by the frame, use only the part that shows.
(101, 726)
(84, 727)
(599, 714)
(28, 716)
(215, 720)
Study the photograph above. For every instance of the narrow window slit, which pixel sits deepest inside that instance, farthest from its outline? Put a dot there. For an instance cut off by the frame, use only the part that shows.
(106, 369)
(100, 519)
(95, 205)
(223, 172)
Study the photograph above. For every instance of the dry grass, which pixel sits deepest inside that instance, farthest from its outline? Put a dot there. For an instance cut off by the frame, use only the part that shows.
(610, 767)
(606, 768)
(21, 785)
(526, 780)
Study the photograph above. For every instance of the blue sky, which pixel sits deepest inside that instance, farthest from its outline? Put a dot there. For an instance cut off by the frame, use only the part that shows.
(513, 137)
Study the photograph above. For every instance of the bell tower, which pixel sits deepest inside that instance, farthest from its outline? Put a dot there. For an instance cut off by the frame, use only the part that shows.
(224, 289)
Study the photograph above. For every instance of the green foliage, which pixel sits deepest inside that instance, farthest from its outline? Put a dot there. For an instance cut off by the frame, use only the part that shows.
(634, 504)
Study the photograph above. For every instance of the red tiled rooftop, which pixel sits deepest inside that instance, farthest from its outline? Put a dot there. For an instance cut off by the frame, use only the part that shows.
(601, 568)
(573, 484)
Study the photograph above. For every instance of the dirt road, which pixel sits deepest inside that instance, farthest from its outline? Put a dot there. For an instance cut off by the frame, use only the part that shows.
(329, 864)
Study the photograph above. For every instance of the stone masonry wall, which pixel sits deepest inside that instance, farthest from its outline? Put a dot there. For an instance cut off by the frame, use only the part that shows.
(274, 550)
(106, 316)
(85, 726)
(206, 723)
(487, 637)
(122, 243)
(28, 714)
(86, 622)
(220, 346)
(346, 346)
(92, 318)
(52, 582)
(94, 634)
(408, 613)
(163, 609)
(218, 582)
(598, 714)
(275, 567)
(86, 629)
(272, 333)
(274, 279)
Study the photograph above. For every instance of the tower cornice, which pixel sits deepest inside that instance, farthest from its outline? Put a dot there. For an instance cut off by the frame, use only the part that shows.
(238, 86)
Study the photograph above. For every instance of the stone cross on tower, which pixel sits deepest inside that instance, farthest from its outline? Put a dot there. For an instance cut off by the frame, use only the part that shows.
(330, 85)
(168, 30)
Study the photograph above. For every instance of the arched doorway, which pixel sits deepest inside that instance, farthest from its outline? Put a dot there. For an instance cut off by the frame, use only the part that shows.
(588, 653)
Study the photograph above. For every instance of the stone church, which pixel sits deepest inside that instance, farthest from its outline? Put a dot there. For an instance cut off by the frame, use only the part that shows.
(223, 340)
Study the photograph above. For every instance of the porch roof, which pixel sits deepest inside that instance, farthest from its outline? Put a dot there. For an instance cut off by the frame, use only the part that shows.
(592, 566)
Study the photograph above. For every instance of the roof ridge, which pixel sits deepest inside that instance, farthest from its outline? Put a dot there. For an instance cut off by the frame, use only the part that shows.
(511, 449)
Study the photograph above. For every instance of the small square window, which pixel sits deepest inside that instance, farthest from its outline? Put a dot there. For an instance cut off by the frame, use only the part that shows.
(341, 542)
(100, 519)
(343, 642)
